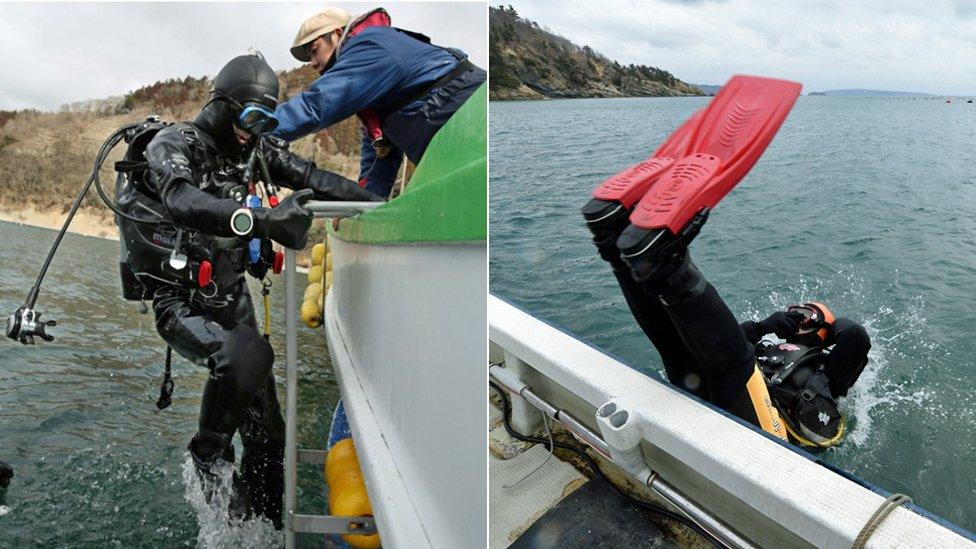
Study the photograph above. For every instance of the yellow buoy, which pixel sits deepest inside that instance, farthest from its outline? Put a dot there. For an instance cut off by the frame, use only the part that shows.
(315, 274)
(318, 253)
(354, 502)
(313, 289)
(347, 490)
(310, 314)
(339, 458)
(349, 479)
(320, 305)
(328, 262)
(328, 280)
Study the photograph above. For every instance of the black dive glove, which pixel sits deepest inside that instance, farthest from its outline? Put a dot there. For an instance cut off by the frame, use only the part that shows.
(332, 186)
(287, 223)
(785, 324)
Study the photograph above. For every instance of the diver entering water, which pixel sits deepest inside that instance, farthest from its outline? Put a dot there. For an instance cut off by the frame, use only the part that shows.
(819, 360)
(644, 219)
(190, 225)
(195, 172)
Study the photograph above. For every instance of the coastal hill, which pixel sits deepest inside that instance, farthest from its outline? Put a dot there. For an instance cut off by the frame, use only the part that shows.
(47, 156)
(529, 62)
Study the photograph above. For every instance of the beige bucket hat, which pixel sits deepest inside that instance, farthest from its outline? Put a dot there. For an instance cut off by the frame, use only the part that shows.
(321, 23)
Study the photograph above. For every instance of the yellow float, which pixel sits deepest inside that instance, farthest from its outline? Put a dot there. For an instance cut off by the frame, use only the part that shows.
(347, 490)
(310, 314)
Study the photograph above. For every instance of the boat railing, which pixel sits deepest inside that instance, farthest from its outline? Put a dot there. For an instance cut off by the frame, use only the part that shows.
(737, 483)
(293, 521)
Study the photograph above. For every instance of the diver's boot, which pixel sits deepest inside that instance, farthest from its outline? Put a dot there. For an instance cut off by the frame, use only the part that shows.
(606, 220)
(215, 470)
(262, 463)
(655, 256)
(6, 473)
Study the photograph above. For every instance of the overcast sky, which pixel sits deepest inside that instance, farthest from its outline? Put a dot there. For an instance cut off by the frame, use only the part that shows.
(902, 45)
(51, 54)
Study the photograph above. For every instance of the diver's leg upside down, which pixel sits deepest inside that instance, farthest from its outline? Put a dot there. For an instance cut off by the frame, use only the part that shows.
(674, 298)
(680, 366)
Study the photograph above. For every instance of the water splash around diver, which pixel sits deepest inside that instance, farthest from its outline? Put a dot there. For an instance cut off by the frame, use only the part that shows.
(218, 529)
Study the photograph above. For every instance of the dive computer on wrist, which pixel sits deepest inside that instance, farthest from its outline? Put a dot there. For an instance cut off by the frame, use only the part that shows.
(242, 221)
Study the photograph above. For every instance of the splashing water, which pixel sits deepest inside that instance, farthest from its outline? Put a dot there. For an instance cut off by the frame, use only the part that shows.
(217, 528)
(875, 391)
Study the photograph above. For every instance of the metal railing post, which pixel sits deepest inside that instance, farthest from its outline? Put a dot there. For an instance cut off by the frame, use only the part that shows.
(291, 397)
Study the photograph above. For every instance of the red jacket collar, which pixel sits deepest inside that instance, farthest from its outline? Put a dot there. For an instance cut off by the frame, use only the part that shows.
(376, 18)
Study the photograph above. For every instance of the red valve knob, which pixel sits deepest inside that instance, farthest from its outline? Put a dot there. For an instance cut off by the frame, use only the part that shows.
(204, 273)
(273, 200)
(279, 262)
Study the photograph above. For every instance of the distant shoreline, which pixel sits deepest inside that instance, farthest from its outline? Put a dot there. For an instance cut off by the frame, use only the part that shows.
(523, 99)
(85, 223)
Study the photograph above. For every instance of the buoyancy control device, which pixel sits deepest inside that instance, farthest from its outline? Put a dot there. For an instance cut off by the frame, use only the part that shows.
(799, 388)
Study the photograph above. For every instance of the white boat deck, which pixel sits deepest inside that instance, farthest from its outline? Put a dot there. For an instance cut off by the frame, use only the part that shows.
(514, 508)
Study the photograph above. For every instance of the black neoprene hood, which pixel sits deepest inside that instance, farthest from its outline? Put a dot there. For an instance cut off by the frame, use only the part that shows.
(248, 79)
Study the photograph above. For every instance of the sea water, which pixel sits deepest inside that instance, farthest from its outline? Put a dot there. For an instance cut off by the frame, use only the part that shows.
(865, 204)
(95, 464)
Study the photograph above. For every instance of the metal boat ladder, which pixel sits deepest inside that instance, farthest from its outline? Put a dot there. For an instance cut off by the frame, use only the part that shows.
(293, 521)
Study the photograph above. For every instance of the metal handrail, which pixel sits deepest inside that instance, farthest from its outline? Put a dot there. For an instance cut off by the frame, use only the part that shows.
(293, 521)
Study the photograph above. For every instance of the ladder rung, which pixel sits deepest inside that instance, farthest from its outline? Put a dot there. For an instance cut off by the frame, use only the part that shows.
(331, 524)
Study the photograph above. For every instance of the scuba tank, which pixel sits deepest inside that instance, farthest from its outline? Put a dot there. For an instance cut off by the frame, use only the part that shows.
(799, 389)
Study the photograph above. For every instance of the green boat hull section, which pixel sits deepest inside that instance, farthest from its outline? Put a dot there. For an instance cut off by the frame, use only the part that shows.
(447, 197)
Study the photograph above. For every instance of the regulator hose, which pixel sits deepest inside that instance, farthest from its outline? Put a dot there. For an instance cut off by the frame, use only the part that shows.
(506, 420)
(107, 147)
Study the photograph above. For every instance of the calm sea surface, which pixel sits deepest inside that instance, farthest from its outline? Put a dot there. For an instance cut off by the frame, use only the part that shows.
(95, 464)
(866, 204)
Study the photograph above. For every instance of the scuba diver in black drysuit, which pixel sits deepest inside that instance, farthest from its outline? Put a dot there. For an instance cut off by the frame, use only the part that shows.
(644, 218)
(701, 344)
(196, 177)
(708, 353)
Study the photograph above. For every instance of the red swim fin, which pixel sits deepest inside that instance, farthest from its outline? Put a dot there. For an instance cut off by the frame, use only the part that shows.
(628, 186)
(729, 137)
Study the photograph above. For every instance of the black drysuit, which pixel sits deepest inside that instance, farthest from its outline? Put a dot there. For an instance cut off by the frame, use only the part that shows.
(190, 175)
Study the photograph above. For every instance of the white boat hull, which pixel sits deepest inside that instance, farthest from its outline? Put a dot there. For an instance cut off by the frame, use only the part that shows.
(406, 327)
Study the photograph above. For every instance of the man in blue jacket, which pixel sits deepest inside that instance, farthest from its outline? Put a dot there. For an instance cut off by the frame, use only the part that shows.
(402, 87)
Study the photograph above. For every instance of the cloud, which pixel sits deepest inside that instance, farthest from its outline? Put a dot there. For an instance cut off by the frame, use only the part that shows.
(826, 44)
(60, 53)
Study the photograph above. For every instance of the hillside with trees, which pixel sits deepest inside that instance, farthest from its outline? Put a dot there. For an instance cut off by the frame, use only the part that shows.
(529, 62)
(46, 157)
